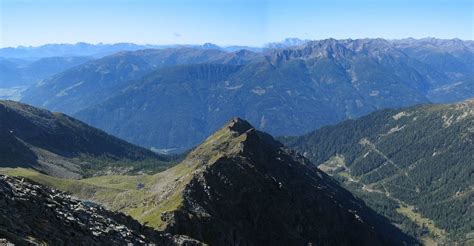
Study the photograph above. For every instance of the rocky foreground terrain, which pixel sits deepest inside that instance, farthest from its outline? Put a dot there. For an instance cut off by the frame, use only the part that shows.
(34, 214)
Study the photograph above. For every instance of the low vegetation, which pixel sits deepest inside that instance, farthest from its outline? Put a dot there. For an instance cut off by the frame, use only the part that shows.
(143, 197)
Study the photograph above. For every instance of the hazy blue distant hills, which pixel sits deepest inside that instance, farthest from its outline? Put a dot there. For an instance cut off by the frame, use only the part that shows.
(173, 98)
(279, 96)
(78, 49)
(286, 43)
(98, 50)
(450, 65)
(407, 163)
(93, 82)
(17, 72)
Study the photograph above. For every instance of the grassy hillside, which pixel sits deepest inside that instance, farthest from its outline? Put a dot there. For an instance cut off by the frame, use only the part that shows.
(132, 195)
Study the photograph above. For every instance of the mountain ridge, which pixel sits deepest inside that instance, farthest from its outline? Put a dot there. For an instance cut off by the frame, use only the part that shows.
(214, 208)
(318, 83)
(60, 145)
(89, 83)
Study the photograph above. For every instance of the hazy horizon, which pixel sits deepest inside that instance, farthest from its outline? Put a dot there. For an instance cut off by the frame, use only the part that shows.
(225, 45)
(225, 22)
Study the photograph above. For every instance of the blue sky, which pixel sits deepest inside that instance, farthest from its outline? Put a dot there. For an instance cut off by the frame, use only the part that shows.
(225, 22)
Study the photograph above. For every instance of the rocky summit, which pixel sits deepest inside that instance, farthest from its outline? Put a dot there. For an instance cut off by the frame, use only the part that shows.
(241, 187)
(34, 214)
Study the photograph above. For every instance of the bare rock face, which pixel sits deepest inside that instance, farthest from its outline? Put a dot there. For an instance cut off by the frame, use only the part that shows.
(34, 214)
(247, 189)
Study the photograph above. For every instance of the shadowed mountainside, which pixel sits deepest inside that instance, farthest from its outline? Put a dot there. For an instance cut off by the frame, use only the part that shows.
(62, 146)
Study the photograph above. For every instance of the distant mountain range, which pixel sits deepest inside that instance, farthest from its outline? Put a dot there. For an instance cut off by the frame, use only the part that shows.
(173, 98)
(17, 72)
(99, 50)
(78, 49)
(286, 43)
(414, 165)
(61, 146)
(95, 81)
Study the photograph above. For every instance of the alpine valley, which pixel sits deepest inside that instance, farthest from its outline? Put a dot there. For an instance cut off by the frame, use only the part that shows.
(173, 144)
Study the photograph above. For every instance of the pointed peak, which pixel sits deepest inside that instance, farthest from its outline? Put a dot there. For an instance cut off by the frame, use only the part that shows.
(210, 46)
(229, 140)
(239, 125)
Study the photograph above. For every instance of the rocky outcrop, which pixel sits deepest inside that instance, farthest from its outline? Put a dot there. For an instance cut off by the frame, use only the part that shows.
(34, 214)
(247, 189)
